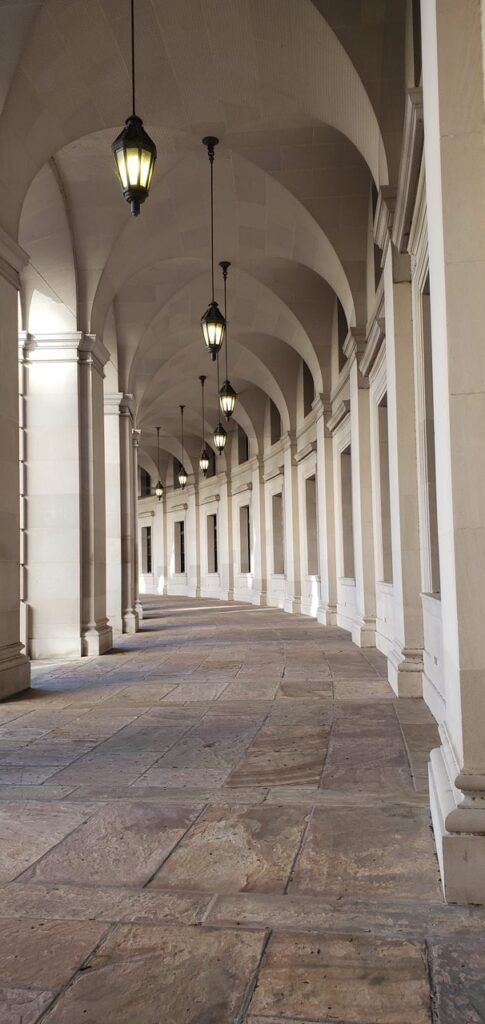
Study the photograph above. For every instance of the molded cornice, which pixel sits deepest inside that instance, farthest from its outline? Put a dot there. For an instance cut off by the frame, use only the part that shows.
(340, 413)
(375, 338)
(306, 451)
(411, 153)
(386, 202)
(248, 486)
(354, 343)
(209, 499)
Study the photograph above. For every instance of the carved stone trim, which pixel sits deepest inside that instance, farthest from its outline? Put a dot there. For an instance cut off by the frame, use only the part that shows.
(209, 499)
(375, 339)
(303, 453)
(411, 154)
(383, 218)
(339, 415)
(240, 488)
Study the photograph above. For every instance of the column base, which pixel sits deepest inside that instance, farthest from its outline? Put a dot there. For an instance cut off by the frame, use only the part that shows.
(97, 640)
(139, 611)
(292, 605)
(14, 672)
(364, 632)
(459, 828)
(405, 672)
(130, 622)
(327, 615)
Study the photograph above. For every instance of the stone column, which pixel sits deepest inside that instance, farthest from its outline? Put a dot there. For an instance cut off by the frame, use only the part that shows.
(163, 511)
(405, 663)
(96, 634)
(113, 510)
(158, 546)
(65, 507)
(454, 118)
(327, 611)
(137, 605)
(292, 528)
(192, 539)
(227, 579)
(258, 535)
(128, 521)
(363, 632)
(14, 665)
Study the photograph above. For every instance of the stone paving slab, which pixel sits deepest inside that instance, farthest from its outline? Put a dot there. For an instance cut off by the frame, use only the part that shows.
(23, 1006)
(353, 851)
(60, 902)
(283, 755)
(45, 954)
(353, 978)
(120, 845)
(29, 829)
(220, 810)
(187, 975)
(458, 972)
(248, 849)
(414, 919)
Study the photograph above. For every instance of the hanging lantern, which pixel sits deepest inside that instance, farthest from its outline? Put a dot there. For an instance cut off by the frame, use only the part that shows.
(159, 486)
(204, 461)
(134, 151)
(182, 475)
(227, 395)
(220, 438)
(204, 455)
(213, 323)
(213, 326)
(227, 399)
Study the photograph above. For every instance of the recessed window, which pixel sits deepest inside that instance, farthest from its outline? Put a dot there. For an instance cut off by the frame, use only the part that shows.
(242, 446)
(146, 549)
(308, 390)
(275, 422)
(212, 559)
(245, 539)
(145, 483)
(278, 535)
(385, 491)
(342, 331)
(179, 543)
(347, 513)
(311, 525)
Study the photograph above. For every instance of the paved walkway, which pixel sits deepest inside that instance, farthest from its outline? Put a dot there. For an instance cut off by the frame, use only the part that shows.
(225, 821)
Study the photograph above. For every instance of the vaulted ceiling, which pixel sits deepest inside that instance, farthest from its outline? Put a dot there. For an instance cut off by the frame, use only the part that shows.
(306, 98)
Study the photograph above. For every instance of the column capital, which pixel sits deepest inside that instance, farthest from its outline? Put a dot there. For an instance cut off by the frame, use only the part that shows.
(63, 347)
(112, 403)
(12, 259)
(375, 338)
(383, 218)
(127, 405)
(354, 343)
(92, 350)
(411, 155)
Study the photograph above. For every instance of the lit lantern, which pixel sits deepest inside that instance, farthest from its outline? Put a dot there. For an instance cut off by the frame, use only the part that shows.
(213, 323)
(134, 151)
(135, 155)
(220, 438)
